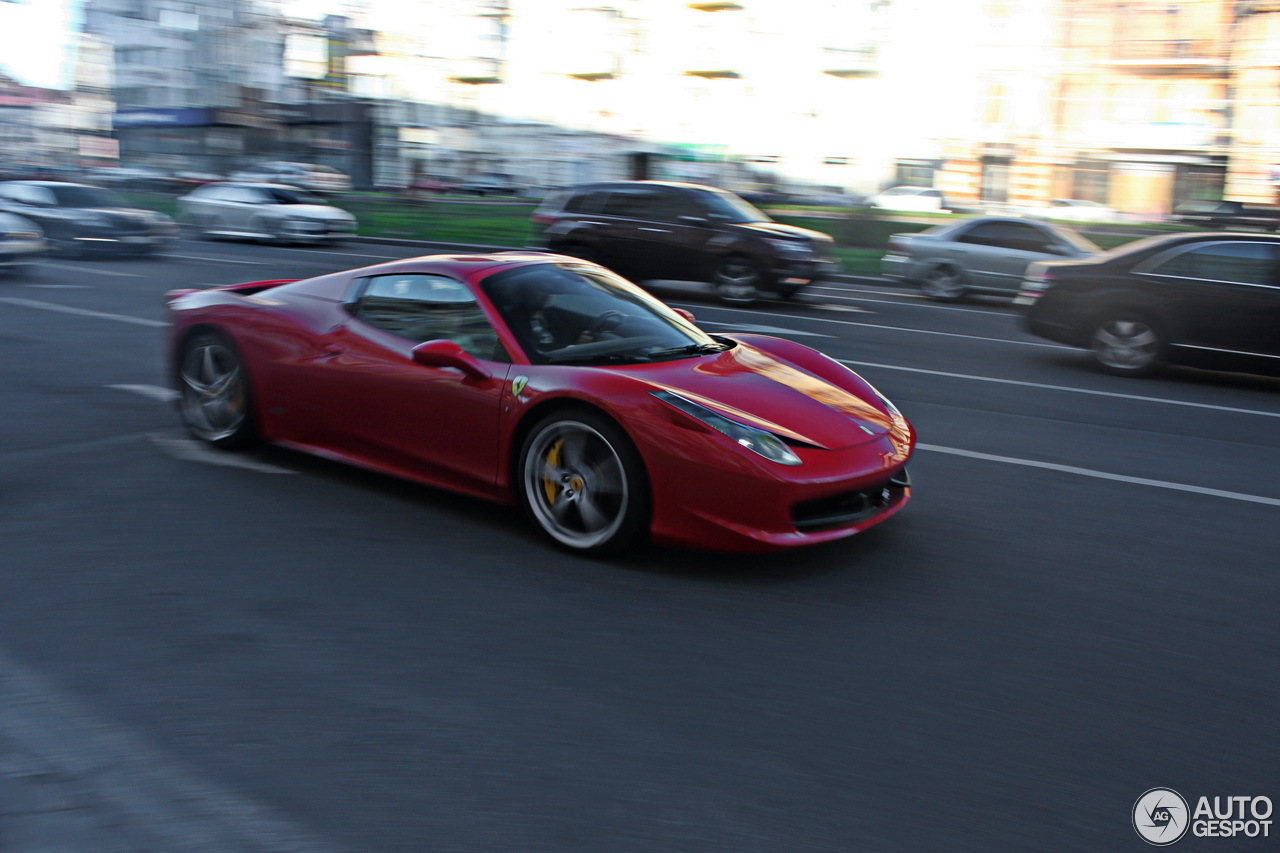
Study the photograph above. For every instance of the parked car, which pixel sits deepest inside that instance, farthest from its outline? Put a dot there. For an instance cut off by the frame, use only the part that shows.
(264, 212)
(650, 230)
(988, 254)
(543, 380)
(1219, 215)
(911, 198)
(134, 178)
(490, 184)
(433, 184)
(1074, 210)
(21, 243)
(1204, 300)
(307, 176)
(79, 218)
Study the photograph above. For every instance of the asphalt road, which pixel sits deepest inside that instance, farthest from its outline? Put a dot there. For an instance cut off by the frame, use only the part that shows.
(280, 652)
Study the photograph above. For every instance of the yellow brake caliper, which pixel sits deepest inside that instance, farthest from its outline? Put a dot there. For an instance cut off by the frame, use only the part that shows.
(549, 486)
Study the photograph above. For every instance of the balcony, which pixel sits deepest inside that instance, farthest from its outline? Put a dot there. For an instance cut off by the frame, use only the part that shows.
(481, 71)
(716, 6)
(1170, 55)
(850, 62)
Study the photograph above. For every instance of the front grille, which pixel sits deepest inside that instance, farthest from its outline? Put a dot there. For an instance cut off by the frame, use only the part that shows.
(846, 508)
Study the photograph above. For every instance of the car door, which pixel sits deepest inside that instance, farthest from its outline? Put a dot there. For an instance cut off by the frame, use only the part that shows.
(437, 421)
(994, 254)
(639, 223)
(1226, 295)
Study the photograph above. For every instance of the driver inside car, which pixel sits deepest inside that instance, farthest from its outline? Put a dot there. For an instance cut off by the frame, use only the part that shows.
(542, 315)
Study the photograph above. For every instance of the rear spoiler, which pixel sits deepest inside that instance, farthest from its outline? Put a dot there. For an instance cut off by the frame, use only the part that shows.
(246, 288)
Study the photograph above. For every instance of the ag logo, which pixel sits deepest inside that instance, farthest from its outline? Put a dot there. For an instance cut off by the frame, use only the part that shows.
(518, 384)
(1160, 816)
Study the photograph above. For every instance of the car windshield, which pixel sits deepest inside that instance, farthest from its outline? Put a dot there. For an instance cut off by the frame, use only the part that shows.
(727, 207)
(280, 195)
(73, 195)
(569, 313)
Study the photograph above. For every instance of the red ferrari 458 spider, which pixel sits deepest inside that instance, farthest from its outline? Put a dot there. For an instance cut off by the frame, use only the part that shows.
(549, 381)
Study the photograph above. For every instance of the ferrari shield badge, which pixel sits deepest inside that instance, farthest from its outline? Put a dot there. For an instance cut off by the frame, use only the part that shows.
(518, 384)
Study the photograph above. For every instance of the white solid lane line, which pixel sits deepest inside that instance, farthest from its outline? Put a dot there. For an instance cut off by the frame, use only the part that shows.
(793, 317)
(154, 392)
(769, 330)
(1101, 475)
(1046, 387)
(94, 270)
(82, 312)
(190, 450)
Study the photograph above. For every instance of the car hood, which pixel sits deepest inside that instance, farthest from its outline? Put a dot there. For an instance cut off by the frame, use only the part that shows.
(752, 386)
(778, 229)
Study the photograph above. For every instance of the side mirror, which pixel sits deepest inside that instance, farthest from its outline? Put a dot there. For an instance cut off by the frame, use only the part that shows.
(448, 354)
(688, 315)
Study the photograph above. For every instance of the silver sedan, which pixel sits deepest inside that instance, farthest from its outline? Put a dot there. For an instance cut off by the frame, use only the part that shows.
(987, 254)
(264, 212)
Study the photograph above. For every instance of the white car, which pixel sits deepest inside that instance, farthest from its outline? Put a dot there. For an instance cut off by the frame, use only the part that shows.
(925, 199)
(1074, 210)
(21, 243)
(308, 176)
(264, 212)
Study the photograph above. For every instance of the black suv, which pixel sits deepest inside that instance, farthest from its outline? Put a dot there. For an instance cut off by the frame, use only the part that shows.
(648, 230)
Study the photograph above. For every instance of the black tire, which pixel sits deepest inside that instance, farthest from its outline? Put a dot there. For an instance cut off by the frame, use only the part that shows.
(582, 482)
(738, 280)
(1127, 343)
(943, 284)
(214, 399)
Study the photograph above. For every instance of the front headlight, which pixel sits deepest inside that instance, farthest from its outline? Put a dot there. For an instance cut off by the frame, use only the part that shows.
(792, 248)
(756, 440)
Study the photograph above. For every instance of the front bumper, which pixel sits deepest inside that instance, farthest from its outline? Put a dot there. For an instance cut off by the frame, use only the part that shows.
(725, 502)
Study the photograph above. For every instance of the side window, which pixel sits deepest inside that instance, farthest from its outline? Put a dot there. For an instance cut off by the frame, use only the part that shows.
(423, 308)
(632, 203)
(242, 195)
(27, 194)
(1243, 263)
(588, 202)
(1009, 235)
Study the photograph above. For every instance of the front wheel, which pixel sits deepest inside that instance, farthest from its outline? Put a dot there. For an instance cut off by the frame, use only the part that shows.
(737, 281)
(214, 397)
(1126, 344)
(943, 284)
(582, 482)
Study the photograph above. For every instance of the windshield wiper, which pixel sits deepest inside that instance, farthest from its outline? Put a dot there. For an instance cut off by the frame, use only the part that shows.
(691, 349)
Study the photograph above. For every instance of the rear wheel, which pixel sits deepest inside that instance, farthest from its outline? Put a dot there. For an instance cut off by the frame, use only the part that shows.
(1126, 343)
(582, 482)
(737, 280)
(214, 396)
(943, 284)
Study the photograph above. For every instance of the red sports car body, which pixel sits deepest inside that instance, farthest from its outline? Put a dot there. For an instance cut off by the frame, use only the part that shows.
(551, 382)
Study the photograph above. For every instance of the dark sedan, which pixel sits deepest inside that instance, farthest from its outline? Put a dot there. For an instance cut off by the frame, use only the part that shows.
(78, 218)
(1202, 300)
